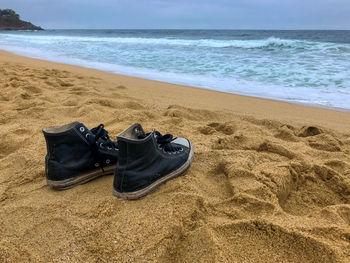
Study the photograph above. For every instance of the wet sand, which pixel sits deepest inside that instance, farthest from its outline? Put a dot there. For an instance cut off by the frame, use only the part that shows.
(270, 181)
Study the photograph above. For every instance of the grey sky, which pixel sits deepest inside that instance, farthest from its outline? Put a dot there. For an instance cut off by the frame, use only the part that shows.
(216, 14)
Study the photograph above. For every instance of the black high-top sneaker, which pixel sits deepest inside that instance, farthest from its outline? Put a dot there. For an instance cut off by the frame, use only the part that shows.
(76, 155)
(148, 160)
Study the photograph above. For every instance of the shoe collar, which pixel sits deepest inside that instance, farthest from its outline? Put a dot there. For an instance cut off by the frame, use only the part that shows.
(133, 133)
(65, 128)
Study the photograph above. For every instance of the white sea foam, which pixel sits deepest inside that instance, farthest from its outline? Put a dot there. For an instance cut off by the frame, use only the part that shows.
(216, 43)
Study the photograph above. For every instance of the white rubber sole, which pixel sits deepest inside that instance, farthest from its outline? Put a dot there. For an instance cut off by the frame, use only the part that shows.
(145, 191)
(81, 179)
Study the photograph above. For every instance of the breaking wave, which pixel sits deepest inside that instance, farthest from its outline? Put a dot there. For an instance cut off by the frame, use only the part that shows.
(211, 43)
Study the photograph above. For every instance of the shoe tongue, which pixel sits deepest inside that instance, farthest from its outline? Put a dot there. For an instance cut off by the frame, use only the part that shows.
(138, 132)
(134, 132)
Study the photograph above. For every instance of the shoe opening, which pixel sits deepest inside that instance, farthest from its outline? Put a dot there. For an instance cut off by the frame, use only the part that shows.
(59, 129)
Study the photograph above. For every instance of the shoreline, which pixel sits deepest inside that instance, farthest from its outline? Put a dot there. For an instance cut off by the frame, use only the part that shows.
(289, 111)
(180, 82)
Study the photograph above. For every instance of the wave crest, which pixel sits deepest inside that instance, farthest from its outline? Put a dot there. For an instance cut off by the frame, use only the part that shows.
(214, 43)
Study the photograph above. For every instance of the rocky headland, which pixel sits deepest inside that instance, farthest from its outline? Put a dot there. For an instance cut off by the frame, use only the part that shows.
(10, 20)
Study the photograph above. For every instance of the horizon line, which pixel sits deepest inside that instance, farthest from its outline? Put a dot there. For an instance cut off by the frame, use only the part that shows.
(222, 29)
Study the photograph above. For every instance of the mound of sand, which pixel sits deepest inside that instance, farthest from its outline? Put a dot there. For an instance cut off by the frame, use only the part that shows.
(262, 188)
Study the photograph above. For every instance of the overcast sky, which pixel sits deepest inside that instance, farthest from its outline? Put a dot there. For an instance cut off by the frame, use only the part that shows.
(215, 14)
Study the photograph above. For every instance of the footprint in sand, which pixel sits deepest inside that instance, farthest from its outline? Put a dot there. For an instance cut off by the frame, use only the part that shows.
(32, 89)
(308, 131)
(275, 148)
(63, 83)
(133, 105)
(314, 188)
(120, 87)
(264, 241)
(286, 133)
(176, 111)
(325, 142)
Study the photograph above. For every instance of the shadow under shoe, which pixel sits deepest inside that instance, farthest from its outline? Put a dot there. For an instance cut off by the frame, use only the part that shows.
(76, 155)
(148, 160)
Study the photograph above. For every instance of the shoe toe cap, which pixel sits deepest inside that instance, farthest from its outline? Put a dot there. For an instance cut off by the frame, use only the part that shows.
(182, 141)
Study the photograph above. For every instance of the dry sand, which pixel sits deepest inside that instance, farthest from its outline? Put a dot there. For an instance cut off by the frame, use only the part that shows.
(270, 181)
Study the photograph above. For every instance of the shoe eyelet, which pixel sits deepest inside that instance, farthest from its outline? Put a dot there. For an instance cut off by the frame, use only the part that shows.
(101, 145)
(87, 135)
(109, 148)
(82, 129)
(108, 161)
(181, 149)
(159, 147)
(97, 165)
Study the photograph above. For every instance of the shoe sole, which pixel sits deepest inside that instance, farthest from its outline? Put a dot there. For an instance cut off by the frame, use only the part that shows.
(145, 191)
(81, 179)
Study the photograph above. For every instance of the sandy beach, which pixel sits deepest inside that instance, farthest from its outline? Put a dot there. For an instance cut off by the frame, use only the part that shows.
(270, 181)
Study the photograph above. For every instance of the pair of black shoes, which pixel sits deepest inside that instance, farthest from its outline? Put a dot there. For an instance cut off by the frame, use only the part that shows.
(140, 161)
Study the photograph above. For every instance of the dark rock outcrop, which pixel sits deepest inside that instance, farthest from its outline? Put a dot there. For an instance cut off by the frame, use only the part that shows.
(9, 20)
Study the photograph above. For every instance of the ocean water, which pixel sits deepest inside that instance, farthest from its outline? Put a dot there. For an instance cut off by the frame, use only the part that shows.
(311, 67)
